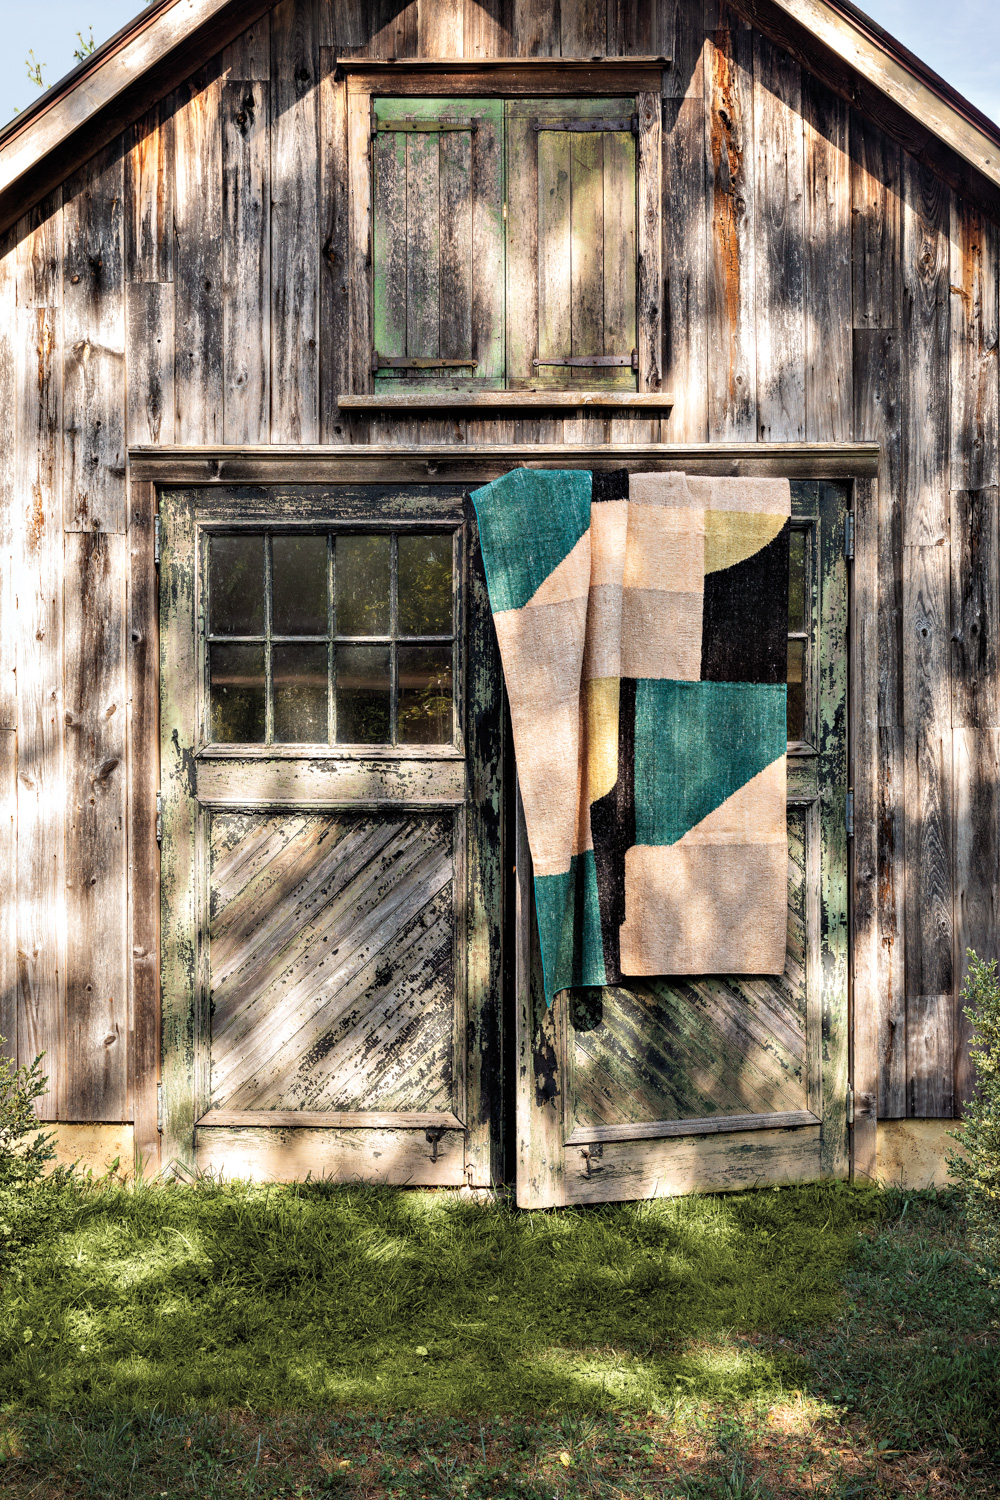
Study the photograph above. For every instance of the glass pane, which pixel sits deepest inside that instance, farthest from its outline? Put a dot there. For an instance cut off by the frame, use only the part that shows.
(300, 692)
(236, 585)
(796, 690)
(362, 595)
(425, 586)
(298, 585)
(237, 701)
(425, 695)
(363, 695)
(797, 581)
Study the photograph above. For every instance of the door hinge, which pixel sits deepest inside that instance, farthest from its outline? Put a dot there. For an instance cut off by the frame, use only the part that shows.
(849, 534)
(159, 817)
(850, 1105)
(849, 814)
(157, 538)
(159, 1106)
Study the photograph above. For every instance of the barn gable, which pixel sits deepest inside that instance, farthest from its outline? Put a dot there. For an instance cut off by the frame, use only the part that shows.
(817, 264)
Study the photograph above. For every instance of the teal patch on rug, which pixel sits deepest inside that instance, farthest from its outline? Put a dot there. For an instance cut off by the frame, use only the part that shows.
(528, 522)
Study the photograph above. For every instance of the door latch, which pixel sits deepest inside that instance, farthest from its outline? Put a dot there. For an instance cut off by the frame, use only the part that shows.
(159, 817)
(433, 1136)
(589, 1153)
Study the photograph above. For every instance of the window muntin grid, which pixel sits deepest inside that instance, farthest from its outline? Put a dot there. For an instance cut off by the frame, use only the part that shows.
(331, 637)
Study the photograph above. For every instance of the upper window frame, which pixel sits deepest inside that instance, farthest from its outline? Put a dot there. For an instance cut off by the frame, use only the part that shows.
(506, 79)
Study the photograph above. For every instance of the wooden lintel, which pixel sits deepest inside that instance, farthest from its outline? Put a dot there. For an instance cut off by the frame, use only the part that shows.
(505, 400)
(265, 464)
(526, 76)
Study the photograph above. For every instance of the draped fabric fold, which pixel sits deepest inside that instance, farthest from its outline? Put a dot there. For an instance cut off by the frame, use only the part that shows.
(642, 625)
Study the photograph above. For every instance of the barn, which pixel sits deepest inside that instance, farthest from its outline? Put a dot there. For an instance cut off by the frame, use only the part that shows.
(281, 286)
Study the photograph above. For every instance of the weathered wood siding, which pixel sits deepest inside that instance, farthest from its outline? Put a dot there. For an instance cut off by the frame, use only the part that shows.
(193, 284)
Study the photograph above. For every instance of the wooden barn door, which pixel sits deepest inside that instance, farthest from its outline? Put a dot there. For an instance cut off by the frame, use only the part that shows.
(667, 1086)
(330, 885)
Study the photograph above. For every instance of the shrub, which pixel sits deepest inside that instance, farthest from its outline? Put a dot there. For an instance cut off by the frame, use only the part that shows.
(25, 1152)
(978, 1172)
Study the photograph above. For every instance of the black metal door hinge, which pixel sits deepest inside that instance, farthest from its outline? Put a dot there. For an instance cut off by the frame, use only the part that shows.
(849, 534)
(159, 817)
(849, 814)
(157, 540)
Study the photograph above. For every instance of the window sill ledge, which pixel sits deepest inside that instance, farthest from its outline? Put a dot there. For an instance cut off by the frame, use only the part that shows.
(507, 401)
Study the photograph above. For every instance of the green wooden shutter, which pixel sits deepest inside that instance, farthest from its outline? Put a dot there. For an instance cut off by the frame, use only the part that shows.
(438, 243)
(571, 250)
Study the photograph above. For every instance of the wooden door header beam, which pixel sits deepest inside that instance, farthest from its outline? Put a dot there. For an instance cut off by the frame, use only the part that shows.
(379, 463)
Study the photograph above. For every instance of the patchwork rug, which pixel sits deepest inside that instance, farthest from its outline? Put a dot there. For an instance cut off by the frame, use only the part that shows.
(642, 622)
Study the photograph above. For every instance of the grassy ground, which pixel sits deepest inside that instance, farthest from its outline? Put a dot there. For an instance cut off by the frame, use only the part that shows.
(231, 1341)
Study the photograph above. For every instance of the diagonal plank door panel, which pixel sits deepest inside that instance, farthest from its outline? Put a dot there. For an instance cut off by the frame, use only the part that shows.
(331, 954)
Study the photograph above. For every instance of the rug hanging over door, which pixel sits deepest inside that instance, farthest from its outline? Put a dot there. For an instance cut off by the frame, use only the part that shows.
(642, 622)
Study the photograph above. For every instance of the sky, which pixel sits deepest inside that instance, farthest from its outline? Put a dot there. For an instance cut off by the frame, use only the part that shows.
(960, 40)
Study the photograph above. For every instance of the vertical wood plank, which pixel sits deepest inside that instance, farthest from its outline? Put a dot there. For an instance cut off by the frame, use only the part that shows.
(525, 258)
(149, 359)
(732, 355)
(925, 341)
(440, 28)
(685, 241)
(149, 197)
(392, 28)
(8, 894)
(349, 28)
(455, 238)
(8, 449)
(876, 224)
(827, 271)
(648, 295)
(633, 27)
(975, 323)
(892, 883)
(8, 650)
(295, 224)
(977, 874)
(246, 257)
(778, 192)
(94, 347)
(975, 609)
(864, 774)
(94, 759)
(486, 28)
(248, 58)
(198, 377)
(423, 246)
(535, 29)
(144, 857)
(40, 789)
(928, 785)
(583, 28)
(929, 1051)
(39, 254)
(334, 299)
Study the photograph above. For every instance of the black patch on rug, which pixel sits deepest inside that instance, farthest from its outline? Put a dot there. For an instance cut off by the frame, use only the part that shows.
(744, 632)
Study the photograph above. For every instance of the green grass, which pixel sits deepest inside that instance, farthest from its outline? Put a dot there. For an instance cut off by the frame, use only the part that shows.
(316, 1340)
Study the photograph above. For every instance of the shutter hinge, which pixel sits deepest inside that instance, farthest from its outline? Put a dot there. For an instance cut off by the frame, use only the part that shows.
(849, 534)
(157, 538)
(849, 814)
(159, 817)
(850, 1105)
(159, 1106)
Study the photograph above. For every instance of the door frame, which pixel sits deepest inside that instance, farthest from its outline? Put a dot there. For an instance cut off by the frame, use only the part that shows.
(223, 466)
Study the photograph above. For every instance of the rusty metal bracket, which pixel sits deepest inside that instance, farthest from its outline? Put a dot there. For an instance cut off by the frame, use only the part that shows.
(384, 362)
(589, 1154)
(432, 1137)
(594, 361)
